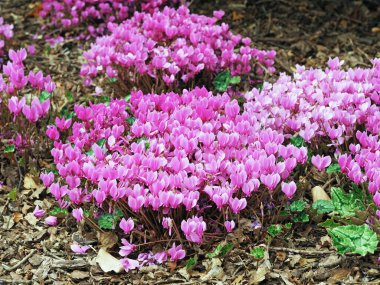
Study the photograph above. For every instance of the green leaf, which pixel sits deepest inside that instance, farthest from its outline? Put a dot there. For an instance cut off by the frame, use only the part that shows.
(260, 86)
(274, 230)
(297, 141)
(222, 80)
(297, 206)
(118, 214)
(288, 226)
(301, 218)
(9, 148)
(131, 120)
(235, 80)
(86, 212)
(220, 250)
(59, 212)
(333, 167)
(112, 79)
(70, 96)
(258, 252)
(65, 112)
(329, 223)
(106, 221)
(13, 194)
(44, 96)
(101, 142)
(323, 206)
(105, 99)
(191, 263)
(354, 239)
(128, 98)
(346, 204)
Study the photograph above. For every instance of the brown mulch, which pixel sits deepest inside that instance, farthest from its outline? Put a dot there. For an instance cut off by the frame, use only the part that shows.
(302, 32)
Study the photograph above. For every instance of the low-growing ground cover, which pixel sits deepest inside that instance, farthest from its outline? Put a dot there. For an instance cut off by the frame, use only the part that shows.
(238, 182)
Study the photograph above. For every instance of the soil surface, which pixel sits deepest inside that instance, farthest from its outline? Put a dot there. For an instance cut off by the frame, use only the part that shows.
(302, 32)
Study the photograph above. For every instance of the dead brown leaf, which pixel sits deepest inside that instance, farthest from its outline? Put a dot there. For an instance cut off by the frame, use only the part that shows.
(237, 16)
(281, 256)
(17, 217)
(107, 239)
(339, 275)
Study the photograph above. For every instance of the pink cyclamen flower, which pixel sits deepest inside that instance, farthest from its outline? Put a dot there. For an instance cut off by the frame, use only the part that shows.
(289, 189)
(129, 264)
(38, 213)
(127, 248)
(51, 221)
(270, 180)
(167, 223)
(230, 225)
(78, 214)
(15, 106)
(160, 257)
(218, 14)
(376, 199)
(31, 49)
(52, 133)
(79, 249)
(47, 178)
(127, 225)
(193, 229)
(176, 252)
(321, 162)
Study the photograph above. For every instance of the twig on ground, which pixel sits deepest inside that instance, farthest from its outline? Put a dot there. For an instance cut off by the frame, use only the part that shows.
(301, 251)
(7, 268)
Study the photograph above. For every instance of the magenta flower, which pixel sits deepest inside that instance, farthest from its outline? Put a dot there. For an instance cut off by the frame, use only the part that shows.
(289, 189)
(321, 162)
(176, 253)
(270, 180)
(127, 225)
(79, 249)
(78, 214)
(193, 229)
(52, 133)
(127, 248)
(229, 225)
(47, 178)
(376, 199)
(129, 264)
(51, 221)
(38, 213)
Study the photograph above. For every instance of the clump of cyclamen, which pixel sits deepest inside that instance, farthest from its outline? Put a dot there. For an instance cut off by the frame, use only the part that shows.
(170, 48)
(6, 33)
(331, 107)
(18, 107)
(167, 155)
(95, 14)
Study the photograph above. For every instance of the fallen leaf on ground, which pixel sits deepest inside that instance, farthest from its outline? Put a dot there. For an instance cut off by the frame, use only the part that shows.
(79, 275)
(107, 239)
(17, 217)
(107, 262)
(319, 194)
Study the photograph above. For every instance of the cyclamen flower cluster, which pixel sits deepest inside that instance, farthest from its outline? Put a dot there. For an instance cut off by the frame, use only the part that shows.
(192, 153)
(364, 156)
(14, 101)
(330, 107)
(6, 33)
(172, 47)
(96, 13)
